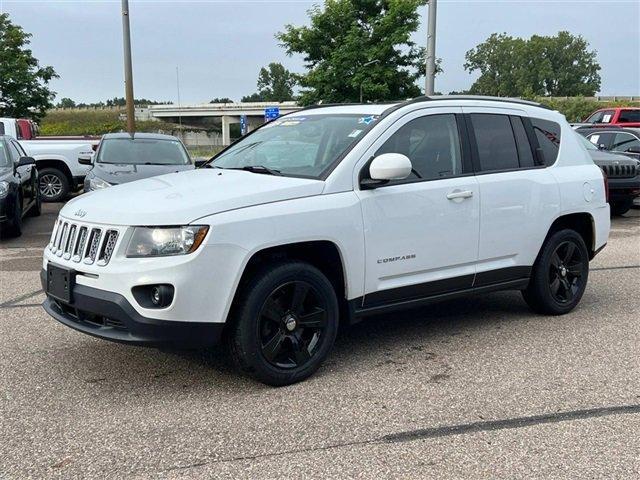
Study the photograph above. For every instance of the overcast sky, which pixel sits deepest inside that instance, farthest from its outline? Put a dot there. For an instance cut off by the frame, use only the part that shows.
(219, 46)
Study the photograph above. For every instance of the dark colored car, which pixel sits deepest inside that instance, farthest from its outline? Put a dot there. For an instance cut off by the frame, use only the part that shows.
(121, 158)
(19, 193)
(625, 141)
(623, 174)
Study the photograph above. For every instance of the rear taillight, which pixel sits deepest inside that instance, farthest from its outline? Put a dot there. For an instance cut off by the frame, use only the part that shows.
(605, 179)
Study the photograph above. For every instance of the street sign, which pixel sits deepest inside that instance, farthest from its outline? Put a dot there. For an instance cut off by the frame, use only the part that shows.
(271, 113)
(243, 125)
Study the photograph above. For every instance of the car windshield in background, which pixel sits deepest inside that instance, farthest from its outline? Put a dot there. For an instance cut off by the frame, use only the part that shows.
(142, 151)
(303, 146)
(4, 156)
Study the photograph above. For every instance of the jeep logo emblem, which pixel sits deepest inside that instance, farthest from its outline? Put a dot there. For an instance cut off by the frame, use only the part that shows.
(80, 213)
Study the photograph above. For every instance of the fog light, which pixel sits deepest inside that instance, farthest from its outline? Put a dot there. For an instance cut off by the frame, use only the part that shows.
(154, 296)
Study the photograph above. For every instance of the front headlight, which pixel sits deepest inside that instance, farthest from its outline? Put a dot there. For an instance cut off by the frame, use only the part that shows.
(164, 241)
(4, 189)
(98, 184)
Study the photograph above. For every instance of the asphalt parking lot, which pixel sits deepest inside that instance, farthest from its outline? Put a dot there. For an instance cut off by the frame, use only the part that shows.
(476, 388)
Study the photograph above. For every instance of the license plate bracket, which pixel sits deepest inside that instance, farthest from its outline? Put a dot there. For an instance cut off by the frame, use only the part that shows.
(60, 282)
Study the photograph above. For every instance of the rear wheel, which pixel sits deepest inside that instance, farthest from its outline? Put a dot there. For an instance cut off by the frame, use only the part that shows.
(560, 274)
(620, 207)
(285, 323)
(53, 184)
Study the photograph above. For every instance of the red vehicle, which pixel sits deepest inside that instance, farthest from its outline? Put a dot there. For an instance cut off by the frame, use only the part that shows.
(622, 116)
(28, 129)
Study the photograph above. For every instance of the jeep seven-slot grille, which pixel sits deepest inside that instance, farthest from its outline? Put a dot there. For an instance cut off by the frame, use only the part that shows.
(83, 243)
(620, 171)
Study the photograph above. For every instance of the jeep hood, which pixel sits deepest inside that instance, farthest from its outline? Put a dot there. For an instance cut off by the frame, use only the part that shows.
(183, 197)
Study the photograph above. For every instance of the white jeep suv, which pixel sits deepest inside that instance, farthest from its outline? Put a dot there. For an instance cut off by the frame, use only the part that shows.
(326, 216)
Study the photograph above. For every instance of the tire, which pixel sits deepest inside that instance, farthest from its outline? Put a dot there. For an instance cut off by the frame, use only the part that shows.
(276, 339)
(53, 185)
(621, 207)
(560, 274)
(13, 228)
(36, 208)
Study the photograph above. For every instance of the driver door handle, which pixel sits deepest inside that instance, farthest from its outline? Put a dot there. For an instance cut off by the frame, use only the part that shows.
(459, 194)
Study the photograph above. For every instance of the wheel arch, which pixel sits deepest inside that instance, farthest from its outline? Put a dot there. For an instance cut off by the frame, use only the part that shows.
(325, 255)
(581, 222)
(58, 165)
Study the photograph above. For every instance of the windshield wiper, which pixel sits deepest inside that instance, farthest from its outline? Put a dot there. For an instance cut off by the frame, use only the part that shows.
(257, 169)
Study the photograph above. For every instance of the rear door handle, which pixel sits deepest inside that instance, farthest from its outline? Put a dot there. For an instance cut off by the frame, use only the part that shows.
(459, 194)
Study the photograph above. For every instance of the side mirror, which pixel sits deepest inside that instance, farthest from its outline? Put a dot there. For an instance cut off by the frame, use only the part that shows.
(390, 166)
(602, 146)
(85, 159)
(200, 163)
(24, 161)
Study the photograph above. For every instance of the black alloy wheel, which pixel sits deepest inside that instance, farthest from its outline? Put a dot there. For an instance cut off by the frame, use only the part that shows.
(292, 322)
(284, 322)
(566, 271)
(560, 273)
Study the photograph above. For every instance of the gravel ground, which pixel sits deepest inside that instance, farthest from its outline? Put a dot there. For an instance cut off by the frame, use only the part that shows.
(475, 388)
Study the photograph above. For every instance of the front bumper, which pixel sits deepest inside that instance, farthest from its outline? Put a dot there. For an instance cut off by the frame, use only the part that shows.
(110, 316)
(624, 189)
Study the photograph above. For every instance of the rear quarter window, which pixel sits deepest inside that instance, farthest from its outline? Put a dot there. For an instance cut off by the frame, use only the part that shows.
(629, 116)
(548, 136)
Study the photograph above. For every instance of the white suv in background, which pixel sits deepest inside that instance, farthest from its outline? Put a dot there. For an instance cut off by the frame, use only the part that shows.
(326, 216)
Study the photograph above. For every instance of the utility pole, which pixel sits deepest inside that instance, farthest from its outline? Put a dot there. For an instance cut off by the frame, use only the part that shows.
(179, 104)
(431, 50)
(128, 70)
(366, 65)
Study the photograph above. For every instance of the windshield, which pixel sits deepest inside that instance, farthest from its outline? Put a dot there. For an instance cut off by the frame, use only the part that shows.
(588, 145)
(297, 145)
(142, 151)
(4, 156)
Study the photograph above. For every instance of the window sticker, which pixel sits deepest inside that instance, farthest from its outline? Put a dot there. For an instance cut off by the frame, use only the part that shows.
(606, 118)
(355, 133)
(368, 119)
(594, 139)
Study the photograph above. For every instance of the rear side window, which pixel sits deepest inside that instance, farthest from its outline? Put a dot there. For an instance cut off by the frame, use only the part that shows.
(1, 128)
(496, 144)
(629, 116)
(548, 135)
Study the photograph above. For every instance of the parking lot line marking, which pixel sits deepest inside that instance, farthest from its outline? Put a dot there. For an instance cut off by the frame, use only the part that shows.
(614, 268)
(24, 305)
(20, 298)
(509, 423)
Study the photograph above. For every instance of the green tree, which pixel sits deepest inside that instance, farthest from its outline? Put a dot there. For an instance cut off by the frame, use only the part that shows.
(24, 84)
(66, 102)
(347, 34)
(557, 66)
(221, 100)
(254, 97)
(275, 83)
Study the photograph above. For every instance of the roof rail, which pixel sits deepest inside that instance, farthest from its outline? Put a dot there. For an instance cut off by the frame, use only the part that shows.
(476, 97)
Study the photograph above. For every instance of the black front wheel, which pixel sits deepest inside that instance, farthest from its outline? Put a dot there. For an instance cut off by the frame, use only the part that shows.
(285, 323)
(13, 227)
(560, 274)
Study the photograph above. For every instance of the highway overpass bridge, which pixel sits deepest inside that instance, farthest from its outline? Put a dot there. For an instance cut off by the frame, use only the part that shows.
(226, 113)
